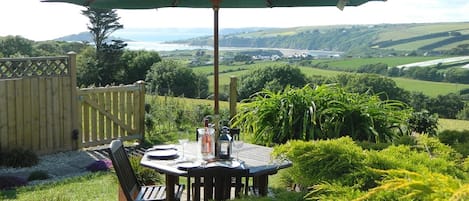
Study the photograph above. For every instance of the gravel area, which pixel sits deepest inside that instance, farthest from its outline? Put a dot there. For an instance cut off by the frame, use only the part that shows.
(58, 166)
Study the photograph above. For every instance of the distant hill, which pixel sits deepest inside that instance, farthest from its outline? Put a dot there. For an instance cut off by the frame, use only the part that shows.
(84, 36)
(159, 34)
(354, 39)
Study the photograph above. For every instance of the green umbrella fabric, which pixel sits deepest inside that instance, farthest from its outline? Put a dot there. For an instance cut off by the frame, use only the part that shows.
(146, 4)
(215, 4)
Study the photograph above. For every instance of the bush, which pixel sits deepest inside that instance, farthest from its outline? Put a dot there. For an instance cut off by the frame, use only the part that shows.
(322, 112)
(424, 122)
(458, 140)
(144, 175)
(322, 160)
(10, 182)
(19, 158)
(38, 175)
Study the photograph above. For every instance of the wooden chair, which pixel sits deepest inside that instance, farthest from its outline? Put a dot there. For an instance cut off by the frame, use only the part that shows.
(128, 181)
(221, 182)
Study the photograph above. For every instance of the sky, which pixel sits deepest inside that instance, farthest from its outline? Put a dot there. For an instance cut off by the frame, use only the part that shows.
(38, 21)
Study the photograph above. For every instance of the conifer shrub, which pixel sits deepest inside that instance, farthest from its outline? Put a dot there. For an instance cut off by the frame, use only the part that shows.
(19, 157)
(38, 175)
(322, 160)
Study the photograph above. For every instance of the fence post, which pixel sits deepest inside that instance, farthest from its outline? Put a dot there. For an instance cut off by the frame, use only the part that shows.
(141, 122)
(75, 134)
(233, 96)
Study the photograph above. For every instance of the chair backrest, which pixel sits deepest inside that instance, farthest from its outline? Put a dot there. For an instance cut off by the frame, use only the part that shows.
(216, 182)
(124, 171)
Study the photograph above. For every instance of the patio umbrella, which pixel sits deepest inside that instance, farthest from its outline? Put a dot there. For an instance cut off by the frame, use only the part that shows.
(215, 5)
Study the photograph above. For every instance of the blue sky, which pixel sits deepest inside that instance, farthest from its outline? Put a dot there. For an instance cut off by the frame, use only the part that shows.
(42, 21)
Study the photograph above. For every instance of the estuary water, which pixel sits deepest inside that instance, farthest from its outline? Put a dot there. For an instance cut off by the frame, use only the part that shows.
(161, 46)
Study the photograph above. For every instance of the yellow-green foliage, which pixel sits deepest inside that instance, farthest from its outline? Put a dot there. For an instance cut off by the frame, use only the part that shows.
(315, 161)
(425, 185)
(339, 169)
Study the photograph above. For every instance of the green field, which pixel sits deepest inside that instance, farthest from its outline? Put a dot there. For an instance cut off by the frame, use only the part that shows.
(354, 63)
(428, 88)
(401, 32)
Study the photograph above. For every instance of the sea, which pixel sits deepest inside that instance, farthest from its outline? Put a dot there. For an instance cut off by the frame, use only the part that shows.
(161, 46)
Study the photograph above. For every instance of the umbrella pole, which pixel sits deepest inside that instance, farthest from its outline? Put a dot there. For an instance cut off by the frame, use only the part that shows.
(215, 59)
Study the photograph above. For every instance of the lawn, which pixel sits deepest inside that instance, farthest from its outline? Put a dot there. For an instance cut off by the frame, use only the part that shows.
(101, 186)
(93, 186)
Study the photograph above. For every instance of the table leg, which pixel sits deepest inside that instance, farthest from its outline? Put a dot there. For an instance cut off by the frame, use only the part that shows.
(261, 182)
(171, 181)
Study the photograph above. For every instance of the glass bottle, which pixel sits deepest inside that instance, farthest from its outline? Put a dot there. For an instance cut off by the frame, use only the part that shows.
(224, 145)
(206, 146)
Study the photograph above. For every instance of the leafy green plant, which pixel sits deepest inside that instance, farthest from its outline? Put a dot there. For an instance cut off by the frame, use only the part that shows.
(38, 175)
(320, 113)
(424, 122)
(329, 160)
(19, 157)
(408, 185)
(144, 175)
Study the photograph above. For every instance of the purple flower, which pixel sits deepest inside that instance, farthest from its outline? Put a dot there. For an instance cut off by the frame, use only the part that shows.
(10, 182)
(101, 165)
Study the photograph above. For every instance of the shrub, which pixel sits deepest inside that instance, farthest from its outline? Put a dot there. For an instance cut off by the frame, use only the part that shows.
(322, 160)
(408, 185)
(144, 175)
(453, 136)
(99, 165)
(38, 175)
(10, 182)
(323, 112)
(424, 122)
(19, 158)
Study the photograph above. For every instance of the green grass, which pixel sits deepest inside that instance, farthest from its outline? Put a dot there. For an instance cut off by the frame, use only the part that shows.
(354, 63)
(428, 88)
(431, 89)
(101, 186)
(93, 186)
(422, 29)
(417, 44)
(453, 124)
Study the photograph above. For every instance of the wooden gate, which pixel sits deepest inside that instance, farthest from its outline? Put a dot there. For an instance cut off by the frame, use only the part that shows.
(36, 103)
(106, 113)
(42, 110)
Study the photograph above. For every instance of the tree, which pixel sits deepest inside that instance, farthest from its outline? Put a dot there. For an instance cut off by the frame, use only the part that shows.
(447, 106)
(12, 46)
(103, 23)
(173, 78)
(274, 78)
(385, 87)
(137, 64)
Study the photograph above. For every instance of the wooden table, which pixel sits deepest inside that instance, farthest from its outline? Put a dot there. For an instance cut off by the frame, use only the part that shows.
(256, 158)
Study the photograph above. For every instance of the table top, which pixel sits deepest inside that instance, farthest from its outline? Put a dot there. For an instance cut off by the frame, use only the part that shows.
(256, 158)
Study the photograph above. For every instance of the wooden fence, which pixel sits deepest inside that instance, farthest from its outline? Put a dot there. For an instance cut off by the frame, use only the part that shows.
(107, 113)
(42, 110)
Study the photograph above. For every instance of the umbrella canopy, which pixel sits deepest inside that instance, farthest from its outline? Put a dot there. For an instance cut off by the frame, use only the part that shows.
(215, 4)
(145, 4)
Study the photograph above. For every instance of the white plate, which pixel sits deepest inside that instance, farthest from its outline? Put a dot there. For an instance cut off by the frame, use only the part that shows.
(225, 163)
(163, 147)
(168, 153)
(188, 165)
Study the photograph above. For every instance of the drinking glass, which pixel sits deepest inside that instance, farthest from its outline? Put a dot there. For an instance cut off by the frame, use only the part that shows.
(183, 142)
(238, 144)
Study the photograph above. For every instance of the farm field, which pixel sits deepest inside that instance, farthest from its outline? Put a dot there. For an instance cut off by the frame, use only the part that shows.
(453, 124)
(354, 63)
(428, 88)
